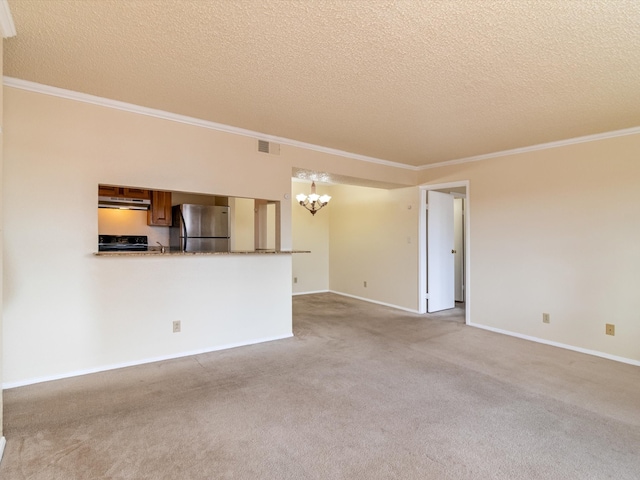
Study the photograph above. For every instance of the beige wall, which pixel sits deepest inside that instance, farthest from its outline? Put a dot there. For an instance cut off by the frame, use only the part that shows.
(67, 311)
(310, 233)
(557, 231)
(364, 234)
(1, 233)
(551, 231)
(374, 238)
(242, 224)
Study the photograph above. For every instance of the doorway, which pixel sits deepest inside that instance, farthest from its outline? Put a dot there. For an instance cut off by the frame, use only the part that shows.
(454, 190)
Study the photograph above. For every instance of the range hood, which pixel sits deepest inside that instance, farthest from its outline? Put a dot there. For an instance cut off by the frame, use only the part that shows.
(124, 203)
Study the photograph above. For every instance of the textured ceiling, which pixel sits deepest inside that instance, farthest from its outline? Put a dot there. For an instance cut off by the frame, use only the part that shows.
(408, 81)
(328, 178)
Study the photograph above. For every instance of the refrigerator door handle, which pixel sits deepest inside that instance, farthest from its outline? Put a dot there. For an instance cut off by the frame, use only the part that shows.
(184, 230)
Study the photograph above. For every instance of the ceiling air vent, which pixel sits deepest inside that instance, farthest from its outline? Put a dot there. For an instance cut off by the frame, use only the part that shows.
(268, 147)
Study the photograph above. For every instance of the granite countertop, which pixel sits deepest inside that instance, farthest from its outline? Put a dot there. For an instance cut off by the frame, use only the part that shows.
(158, 253)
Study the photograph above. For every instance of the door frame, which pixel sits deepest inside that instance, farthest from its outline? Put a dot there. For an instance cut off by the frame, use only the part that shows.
(463, 198)
(422, 242)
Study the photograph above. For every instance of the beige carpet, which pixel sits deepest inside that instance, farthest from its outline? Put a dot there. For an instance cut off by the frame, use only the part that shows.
(360, 392)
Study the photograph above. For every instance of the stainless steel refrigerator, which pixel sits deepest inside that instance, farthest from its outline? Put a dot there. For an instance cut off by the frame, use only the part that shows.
(200, 228)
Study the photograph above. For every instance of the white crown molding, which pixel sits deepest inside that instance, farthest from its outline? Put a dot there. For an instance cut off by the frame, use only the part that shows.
(151, 112)
(7, 27)
(534, 148)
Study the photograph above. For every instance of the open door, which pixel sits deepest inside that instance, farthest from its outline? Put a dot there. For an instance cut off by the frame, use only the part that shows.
(440, 252)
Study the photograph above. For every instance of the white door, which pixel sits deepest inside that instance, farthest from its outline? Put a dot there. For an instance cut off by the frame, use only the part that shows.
(440, 252)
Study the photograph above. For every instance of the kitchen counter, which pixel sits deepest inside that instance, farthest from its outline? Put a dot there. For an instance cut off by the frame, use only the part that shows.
(158, 253)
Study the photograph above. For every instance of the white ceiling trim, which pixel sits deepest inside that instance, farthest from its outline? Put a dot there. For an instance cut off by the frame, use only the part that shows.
(534, 148)
(129, 107)
(151, 112)
(7, 27)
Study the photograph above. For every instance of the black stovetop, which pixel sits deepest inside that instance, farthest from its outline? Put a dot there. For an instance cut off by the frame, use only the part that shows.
(122, 243)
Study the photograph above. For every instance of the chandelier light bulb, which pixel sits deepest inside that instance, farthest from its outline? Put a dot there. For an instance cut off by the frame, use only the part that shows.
(313, 202)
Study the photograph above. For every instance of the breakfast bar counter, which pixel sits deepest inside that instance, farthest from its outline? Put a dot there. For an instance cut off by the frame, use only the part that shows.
(159, 253)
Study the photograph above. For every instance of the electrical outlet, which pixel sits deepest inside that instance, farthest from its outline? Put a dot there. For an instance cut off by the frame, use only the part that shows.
(546, 318)
(610, 329)
(295, 279)
(365, 284)
(177, 326)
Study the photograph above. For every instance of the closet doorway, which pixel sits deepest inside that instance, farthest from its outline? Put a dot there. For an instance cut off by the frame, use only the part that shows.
(444, 247)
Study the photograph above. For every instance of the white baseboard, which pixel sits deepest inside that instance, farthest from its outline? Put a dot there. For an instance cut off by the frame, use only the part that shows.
(595, 353)
(3, 442)
(375, 301)
(104, 368)
(294, 294)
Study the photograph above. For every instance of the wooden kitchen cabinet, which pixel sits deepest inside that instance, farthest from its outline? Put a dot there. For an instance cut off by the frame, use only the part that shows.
(109, 191)
(126, 192)
(159, 214)
(137, 193)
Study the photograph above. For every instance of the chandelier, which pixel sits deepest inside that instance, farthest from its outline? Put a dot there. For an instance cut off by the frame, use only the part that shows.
(313, 202)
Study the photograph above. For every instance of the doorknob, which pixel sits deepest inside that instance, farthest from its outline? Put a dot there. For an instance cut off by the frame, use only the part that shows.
(453, 251)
